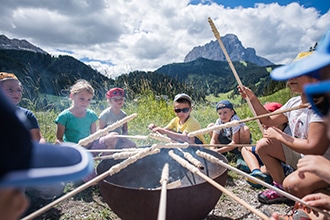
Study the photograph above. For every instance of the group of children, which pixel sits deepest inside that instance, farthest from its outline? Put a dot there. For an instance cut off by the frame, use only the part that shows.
(299, 138)
(73, 124)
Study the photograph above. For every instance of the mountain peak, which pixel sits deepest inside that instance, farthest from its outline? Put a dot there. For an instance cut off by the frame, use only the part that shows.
(15, 44)
(235, 50)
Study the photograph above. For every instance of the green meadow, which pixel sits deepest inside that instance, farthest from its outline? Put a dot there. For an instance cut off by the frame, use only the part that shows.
(152, 109)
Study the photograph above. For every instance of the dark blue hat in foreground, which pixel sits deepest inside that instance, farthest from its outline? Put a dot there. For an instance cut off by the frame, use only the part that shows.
(25, 163)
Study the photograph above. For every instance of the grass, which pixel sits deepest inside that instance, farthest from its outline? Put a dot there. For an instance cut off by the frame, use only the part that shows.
(150, 110)
(160, 112)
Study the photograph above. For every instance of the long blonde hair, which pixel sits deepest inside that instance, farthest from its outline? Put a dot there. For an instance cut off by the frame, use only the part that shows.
(81, 85)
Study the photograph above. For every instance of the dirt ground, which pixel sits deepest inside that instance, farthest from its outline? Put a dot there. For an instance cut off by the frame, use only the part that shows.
(89, 204)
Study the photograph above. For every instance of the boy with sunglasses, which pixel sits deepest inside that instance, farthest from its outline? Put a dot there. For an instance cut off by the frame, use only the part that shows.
(182, 124)
(316, 65)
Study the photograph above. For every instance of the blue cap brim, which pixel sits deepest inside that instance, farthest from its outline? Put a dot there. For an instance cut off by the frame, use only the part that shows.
(304, 66)
(50, 164)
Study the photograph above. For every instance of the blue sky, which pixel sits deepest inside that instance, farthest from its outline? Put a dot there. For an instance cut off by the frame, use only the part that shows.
(321, 5)
(116, 36)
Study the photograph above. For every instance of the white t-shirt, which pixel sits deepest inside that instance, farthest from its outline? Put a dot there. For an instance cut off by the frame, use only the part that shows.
(299, 120)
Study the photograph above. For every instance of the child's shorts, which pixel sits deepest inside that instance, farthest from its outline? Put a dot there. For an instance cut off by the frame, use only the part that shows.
(291, 156)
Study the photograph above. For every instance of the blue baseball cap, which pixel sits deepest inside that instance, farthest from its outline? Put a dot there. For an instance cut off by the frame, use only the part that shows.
(27, 163)
(224, 104)
(308, 65)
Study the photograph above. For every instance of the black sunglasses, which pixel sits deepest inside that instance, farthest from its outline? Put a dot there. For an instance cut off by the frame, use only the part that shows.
(318, 97)
(184, 110)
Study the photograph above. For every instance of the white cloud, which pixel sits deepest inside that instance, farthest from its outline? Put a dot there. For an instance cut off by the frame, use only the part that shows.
(146, 34)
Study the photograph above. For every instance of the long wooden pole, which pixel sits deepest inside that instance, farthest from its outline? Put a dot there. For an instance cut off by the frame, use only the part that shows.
(114, 169)
(217, 36)
(235, 123)
(215, 160)
(104, 131)
(195, 170)
(163, 193)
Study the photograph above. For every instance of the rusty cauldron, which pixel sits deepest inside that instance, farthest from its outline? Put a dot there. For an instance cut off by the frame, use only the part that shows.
(134, 192)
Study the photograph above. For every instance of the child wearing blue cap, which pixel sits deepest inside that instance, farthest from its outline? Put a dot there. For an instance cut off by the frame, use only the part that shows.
(239, 134)
(308, 132)
(312, 170)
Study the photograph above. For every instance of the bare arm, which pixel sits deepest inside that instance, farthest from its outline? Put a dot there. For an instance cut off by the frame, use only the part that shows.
(36, 135)
(125, 129)
(214, 139)
(316, 142)
(59, 133)
(178, 137)
(93, 128)
(102, 124)
(260, 109)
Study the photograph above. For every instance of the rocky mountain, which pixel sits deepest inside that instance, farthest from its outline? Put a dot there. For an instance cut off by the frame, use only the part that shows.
(15, 44)
(234, 47)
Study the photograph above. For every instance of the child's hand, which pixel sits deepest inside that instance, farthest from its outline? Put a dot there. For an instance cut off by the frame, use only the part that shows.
(151, 126)
(245, 92)
(319, 200)
(272, 132)
(316, 164)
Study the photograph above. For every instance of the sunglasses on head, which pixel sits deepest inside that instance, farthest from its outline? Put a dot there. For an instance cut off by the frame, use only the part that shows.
(184, 110)
(318, 95)
(118, 92)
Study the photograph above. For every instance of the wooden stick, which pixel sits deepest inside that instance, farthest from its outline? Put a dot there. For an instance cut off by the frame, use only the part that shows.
(104, 131)
(172, 145)
(114, 150)
(172, 185)
(159, 137)
(217, 35)
(222, 145)
(195, 170)
(114, 169)
(163, 194)
(142, 137)
(235, 123)
(192, 159)
(213, 159)
(117, 156)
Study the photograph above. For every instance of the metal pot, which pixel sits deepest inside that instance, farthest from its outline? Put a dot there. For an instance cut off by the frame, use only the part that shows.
(134, 192)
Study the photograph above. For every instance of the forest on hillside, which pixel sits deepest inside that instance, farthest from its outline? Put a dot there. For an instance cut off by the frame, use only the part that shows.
(46, 74)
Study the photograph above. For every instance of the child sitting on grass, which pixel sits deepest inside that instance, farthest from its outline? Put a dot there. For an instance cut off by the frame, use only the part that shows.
(182, 124)
(116, 100)
(253, 160)
(239, 134)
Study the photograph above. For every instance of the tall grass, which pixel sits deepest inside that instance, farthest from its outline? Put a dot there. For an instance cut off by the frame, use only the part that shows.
(152, 109)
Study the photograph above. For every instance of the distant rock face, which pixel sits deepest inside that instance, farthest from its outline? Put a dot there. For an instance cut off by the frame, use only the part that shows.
(15, 44)
(234, 48)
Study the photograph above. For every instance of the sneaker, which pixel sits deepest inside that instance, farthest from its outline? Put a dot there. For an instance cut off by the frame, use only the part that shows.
(260, 175)
(287, 169)
(241, 164)
(272, 197)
